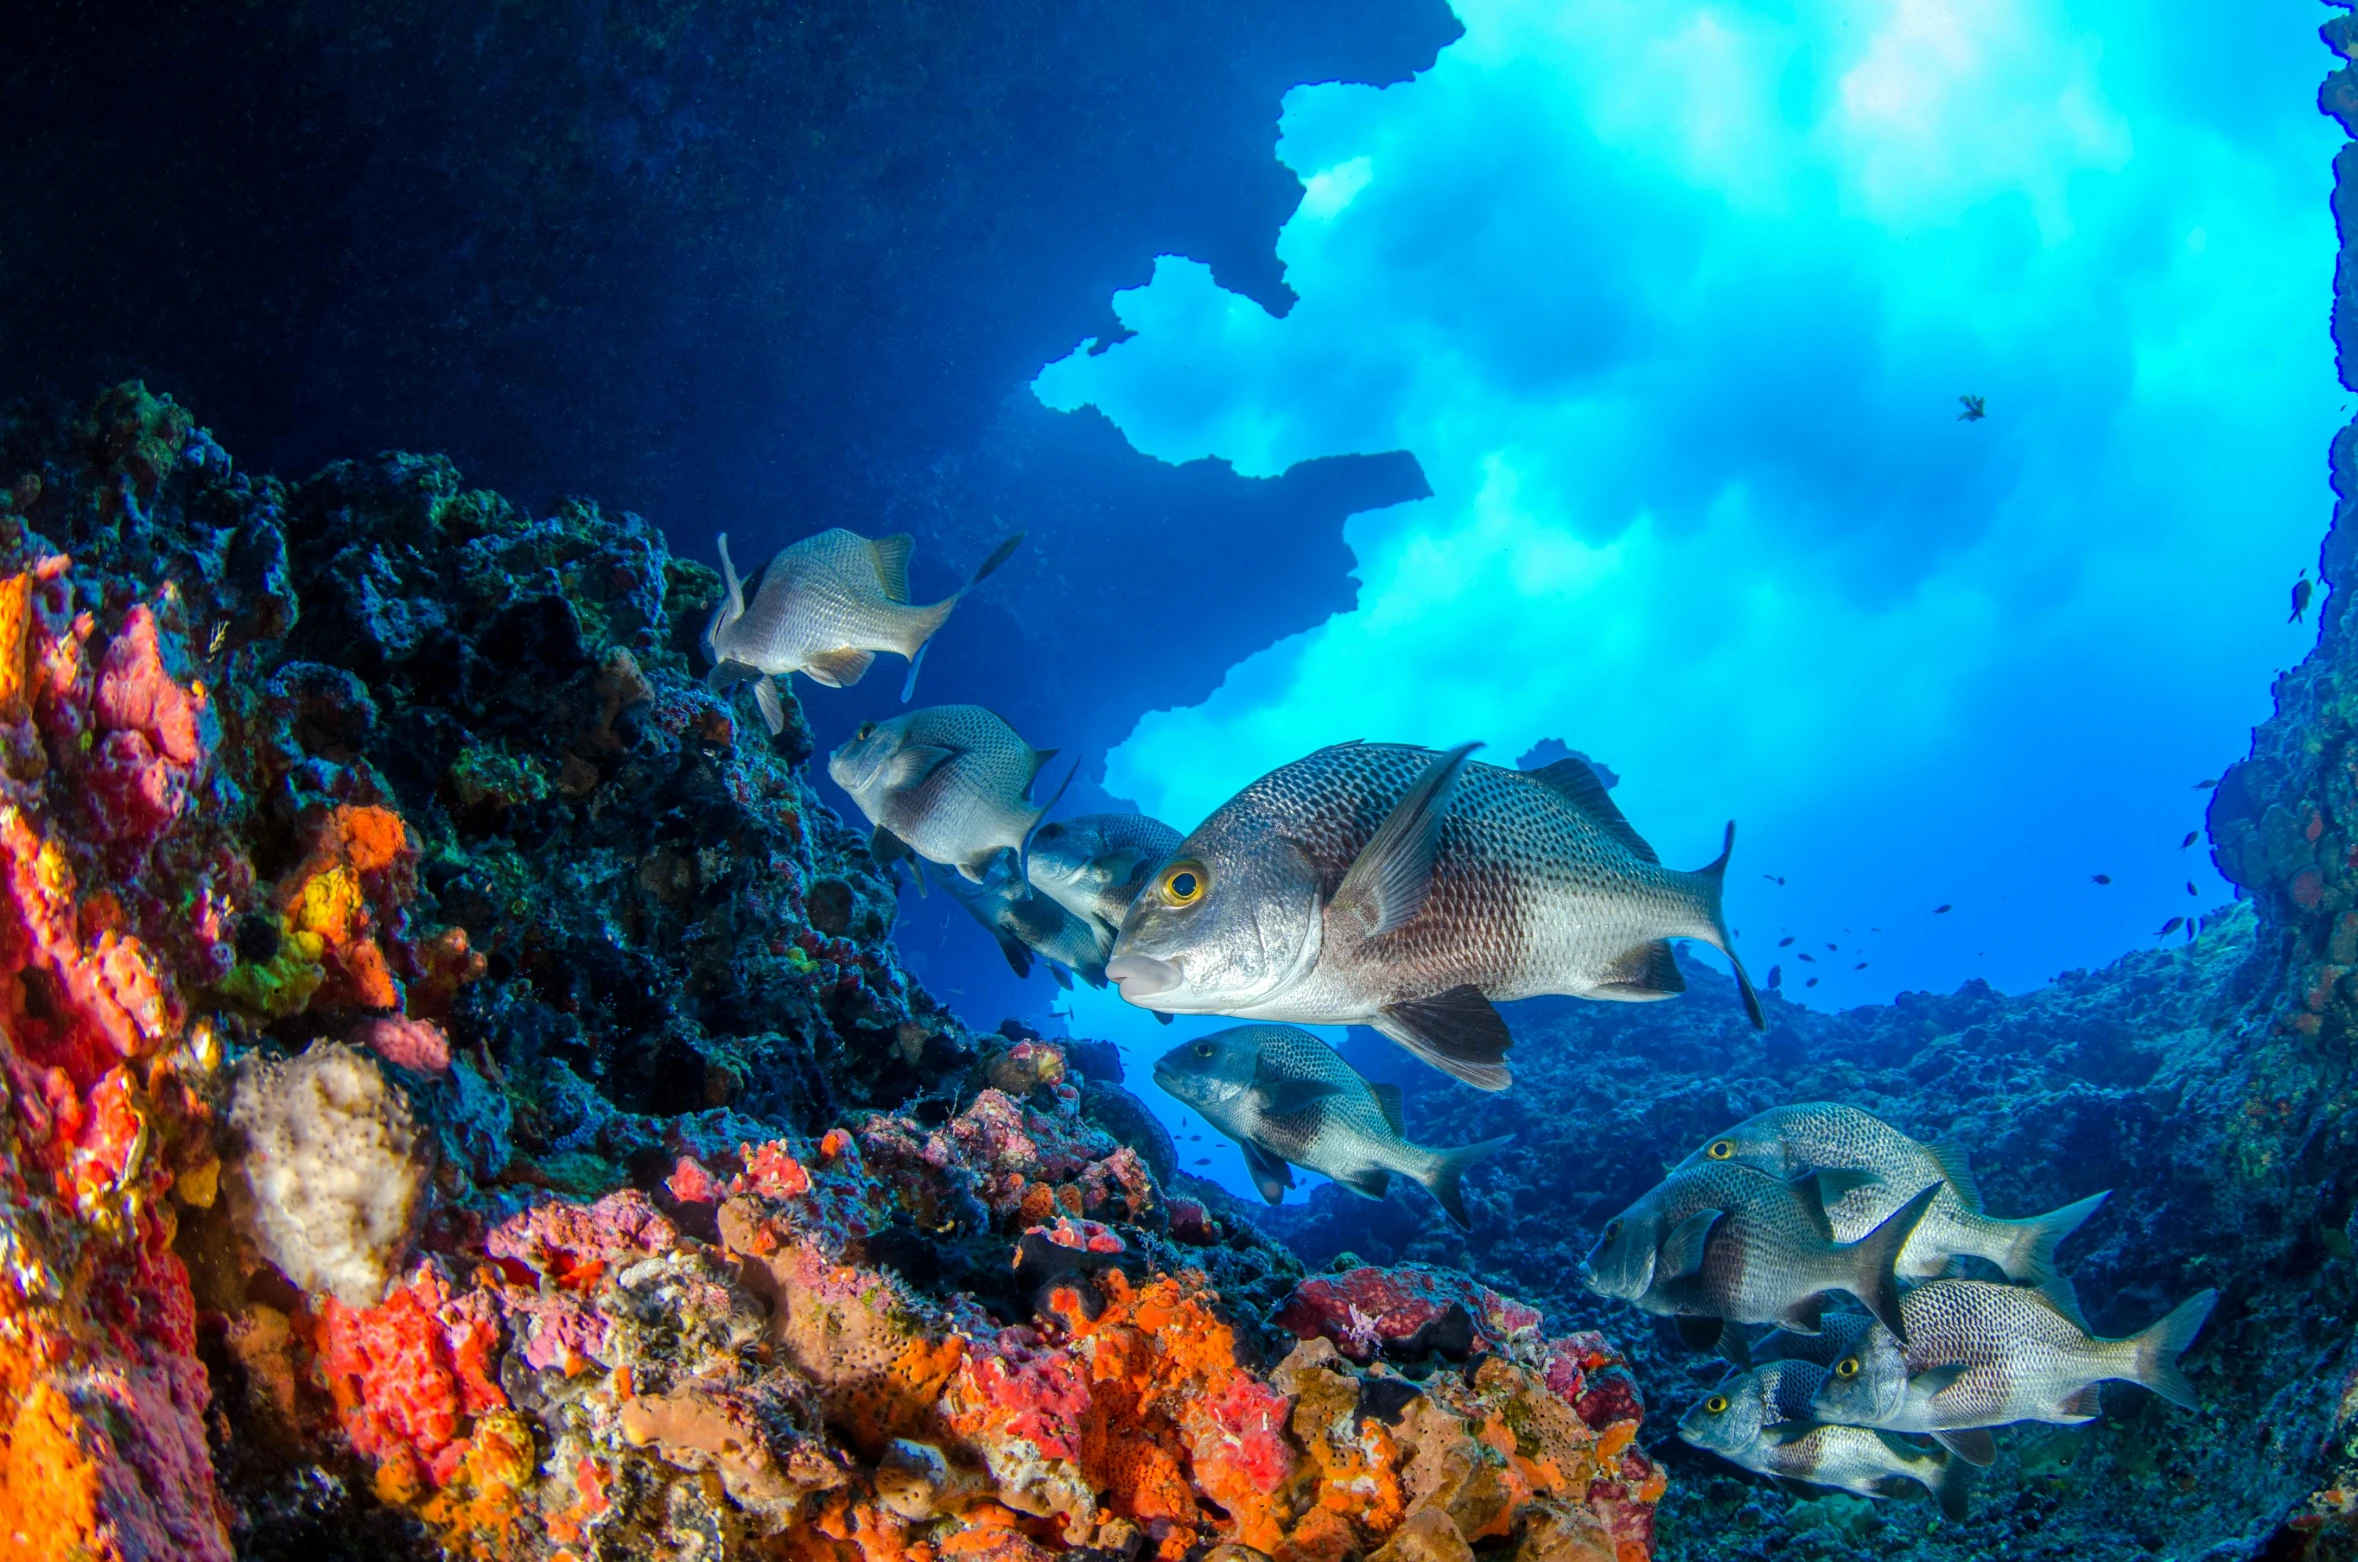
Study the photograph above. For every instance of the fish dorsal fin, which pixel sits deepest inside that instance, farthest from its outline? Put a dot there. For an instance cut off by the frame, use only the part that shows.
(1974, 1445)
(1957, 1168)
(1576, 783)
(1388, 1103)
(1681, 1253)
(1647, 972)
(840, 668)
(892, 564)
(1271, 1176)
(1388, 881)
(1458, 1032)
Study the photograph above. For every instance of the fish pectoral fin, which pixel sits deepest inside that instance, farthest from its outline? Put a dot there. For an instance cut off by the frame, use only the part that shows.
(1285, 1097)
(1271, 1176)
(1458, 1032)
(839, 668)
(1681, 1253)
(914, 766)
(1577, 783)
(1836, 1183)
(1974, 1445)
(1388, 1102)
(1936, 1381)
(771, 704)
(1803, 1316)
(892, 564)
(1388, 881)
(1373, 1183)
(1779, 1434)
(1019, 958)
(888, 848)
(1648, 972)
(1700, 1334)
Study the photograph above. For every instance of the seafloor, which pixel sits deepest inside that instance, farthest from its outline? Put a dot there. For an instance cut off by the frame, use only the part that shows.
(462, 1098)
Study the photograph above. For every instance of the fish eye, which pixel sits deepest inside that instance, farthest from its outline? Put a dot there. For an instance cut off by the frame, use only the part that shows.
(1204, 1049)
(1612, 1228)
(867, 731)
(1847, 1367)
(1183, 884)
(1721, 1149)
(1717, 1404)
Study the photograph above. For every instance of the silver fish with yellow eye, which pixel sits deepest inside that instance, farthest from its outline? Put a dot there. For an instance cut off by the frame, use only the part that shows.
(949, 784)
(1750, 1421)
(824, 607)
(1978, 1355)
(1386, 885)
(1287, 1097)
(1025, 922)
(1867, 1169)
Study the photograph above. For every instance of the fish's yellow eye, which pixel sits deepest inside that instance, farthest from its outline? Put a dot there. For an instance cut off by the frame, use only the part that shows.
(1204, 1049)
(867, 731)
(1847, 1367)
(1717, 1404)
(1721, 1149)
(1183, 884)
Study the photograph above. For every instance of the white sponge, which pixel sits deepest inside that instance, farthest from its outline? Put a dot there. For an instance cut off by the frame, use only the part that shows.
(330, 1176)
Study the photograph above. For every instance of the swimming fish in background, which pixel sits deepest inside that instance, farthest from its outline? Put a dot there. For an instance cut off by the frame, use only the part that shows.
(1741, 1421)
(1867, 1169)
(1386, 885)
(1286, 1096)
(1978, 1354)
(824, 607)
(1094, 864)
(1728, 1244)
(948, 782)
(2302, 590)
(1025, 922)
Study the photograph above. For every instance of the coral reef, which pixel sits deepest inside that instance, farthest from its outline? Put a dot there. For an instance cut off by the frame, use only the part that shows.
(463, 1101)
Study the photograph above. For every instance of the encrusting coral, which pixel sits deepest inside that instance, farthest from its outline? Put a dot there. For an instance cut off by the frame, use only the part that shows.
(460, 1092)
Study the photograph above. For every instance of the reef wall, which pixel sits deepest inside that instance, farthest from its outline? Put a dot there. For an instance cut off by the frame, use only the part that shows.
(462, 1100)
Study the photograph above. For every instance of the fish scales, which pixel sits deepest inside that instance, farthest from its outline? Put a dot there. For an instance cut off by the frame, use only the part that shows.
(1525, 885)
(966, 807)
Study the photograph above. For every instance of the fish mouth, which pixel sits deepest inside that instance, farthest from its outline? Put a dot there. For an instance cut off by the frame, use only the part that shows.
(1142, 976)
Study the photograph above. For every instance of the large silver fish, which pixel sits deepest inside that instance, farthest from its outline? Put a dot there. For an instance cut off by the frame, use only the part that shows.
(1386, 885)
(824, 607)
(1978, 1354)
(1749, 1422)
(1025, 922)
(1727, 1244)
(1094, 864)
(1869, 1168)
(950, 783)
(1286, 1096)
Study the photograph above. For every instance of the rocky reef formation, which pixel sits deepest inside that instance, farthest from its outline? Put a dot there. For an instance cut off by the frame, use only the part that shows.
(462, 1100)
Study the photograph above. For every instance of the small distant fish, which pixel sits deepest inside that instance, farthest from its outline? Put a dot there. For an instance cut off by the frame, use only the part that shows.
(948, 783)
(2100, 878)
(2190, 889)
(2171, 926)
(1025, 921)
(1204, 1162)
(824, 607)
(1786, 940)
(1095, 864)
(1729, 1243)
(1941, 910)
(1833, 948)
(1975, 409)
(2204, 786)
(1979, 1354)
(1866, 1170)
(1803, 954)
(2302, 589)
(1776, 977)
(1774, 878)
(1861, 966)
(1329, 892)
(1288, 1097)
(1746, 1422)
(2189, 841)
(1812, 982)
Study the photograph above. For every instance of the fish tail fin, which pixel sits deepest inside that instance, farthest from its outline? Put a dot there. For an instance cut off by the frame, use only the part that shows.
(1448, 1166)
(1874, 1261)
(1023, 852)
(2027, 1252)
(1712, 881)
(2159, 1348)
